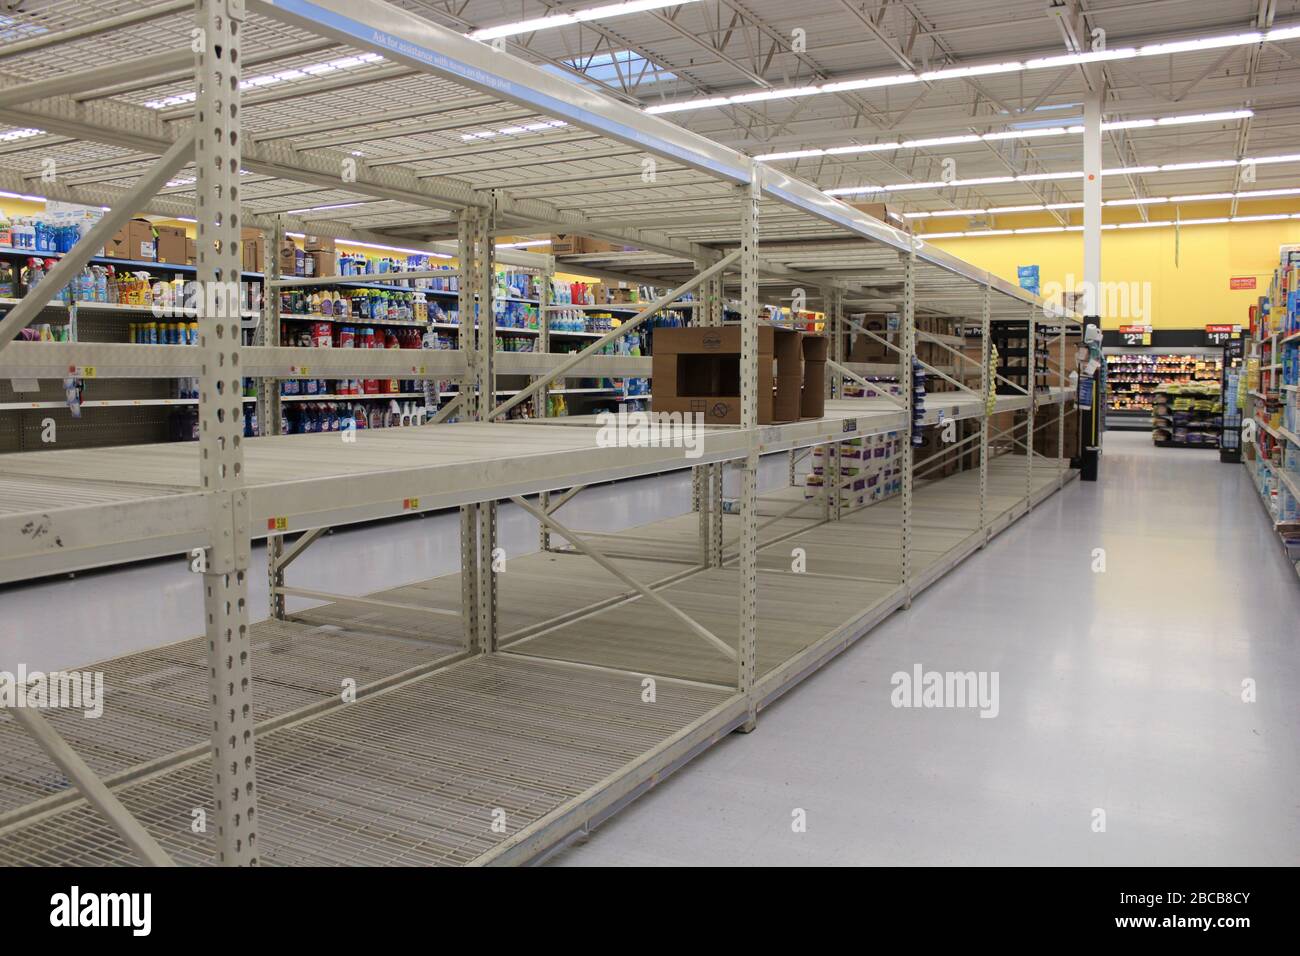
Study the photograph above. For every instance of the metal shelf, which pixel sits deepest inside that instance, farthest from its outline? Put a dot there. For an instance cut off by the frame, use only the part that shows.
(551, 694)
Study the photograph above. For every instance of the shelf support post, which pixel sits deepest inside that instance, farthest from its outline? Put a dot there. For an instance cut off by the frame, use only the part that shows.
(747, 646)
(1031, 381)
(986, 393)
(544, 280)
(908, 336)
(221, 429)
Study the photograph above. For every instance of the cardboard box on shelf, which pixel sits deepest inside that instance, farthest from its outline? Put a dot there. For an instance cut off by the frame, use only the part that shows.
(697, 370)
(319, 244)
(323, 263)
(254, 249)
(566, 244)
(191, 251)
(116, 248)
(878, 210)
(863, 348)
(171, 244)
(137, 241)
(287, 257)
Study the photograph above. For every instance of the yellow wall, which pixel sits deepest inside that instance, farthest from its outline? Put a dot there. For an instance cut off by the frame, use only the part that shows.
(1188, 293)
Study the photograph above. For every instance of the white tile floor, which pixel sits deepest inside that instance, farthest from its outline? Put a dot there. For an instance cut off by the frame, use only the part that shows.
(1119, 691)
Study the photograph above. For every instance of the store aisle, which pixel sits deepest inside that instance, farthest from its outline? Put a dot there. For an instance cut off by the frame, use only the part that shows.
(1119, 691)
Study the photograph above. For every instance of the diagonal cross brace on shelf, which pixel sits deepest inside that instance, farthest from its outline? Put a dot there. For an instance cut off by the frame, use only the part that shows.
(613, 334)
(100, 233)
(92, 788)
(595, 555)
(872, 386)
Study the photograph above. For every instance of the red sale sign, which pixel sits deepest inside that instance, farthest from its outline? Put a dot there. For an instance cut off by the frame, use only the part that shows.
(1241, 282)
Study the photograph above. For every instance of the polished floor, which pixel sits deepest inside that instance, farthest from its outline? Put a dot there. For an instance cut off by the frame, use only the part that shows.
(1119, 691)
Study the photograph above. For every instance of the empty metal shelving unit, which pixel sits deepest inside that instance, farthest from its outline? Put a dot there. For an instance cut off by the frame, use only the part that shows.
(497, 713)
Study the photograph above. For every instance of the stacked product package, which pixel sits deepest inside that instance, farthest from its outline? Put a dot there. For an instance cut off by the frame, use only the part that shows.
(870, 470)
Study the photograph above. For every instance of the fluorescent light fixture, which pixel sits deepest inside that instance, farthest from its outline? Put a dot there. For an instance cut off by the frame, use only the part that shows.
(382, 248)
(523, 244)
(1139, 201)
(1211, 221)
(1191, 45)
(605, 12)
(273, 79)
(337, 205)
(1073, 174)
(23, 196)
(10, 136)
(515, 130)
(1042, 132)
(958, 72)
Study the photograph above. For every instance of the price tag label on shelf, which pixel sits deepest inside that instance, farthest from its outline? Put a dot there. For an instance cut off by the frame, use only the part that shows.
(410, 504)
(418, 369)
(82, 371)
(299, 369)
(1221, 334)
(1135, 334)
(277, 524)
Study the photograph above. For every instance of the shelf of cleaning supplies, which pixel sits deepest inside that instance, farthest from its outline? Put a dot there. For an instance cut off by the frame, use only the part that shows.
(133, 265)
(632, 307)
(48, 305)
(102, 403)
(288, 282)
(330, 397)
(167, 312)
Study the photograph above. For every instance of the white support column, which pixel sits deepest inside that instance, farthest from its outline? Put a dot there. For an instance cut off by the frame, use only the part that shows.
(987, 386)
(221, 426)
(485, 286)
(909, 451)
(1094, 100)
(748, 646)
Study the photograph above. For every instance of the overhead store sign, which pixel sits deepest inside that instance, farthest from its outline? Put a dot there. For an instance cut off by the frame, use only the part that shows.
(1221, 334)
(1241, 282)
(1135, 334)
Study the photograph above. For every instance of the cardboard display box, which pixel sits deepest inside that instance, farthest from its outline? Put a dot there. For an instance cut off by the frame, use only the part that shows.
(288, 257)
(171, 244)
(697, 370)
(254, 250)
(191, 252)
(135, 240)
(323, 263)
(860, 348)
(319, 244)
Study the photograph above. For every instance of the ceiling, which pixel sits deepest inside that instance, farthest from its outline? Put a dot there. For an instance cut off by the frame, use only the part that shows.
(427, 145)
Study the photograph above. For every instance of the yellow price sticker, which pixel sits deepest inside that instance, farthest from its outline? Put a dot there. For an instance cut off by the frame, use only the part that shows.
(85, 371)
(410, 504)
(277, 524)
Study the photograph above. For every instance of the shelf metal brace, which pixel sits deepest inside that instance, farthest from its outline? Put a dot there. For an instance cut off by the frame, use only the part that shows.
(67, 268)
(909, 397)
(544, 310)
(92, 788)
(590, 551)
(986, 393)
(1031, 379)
(748, 643)
(871, 386)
